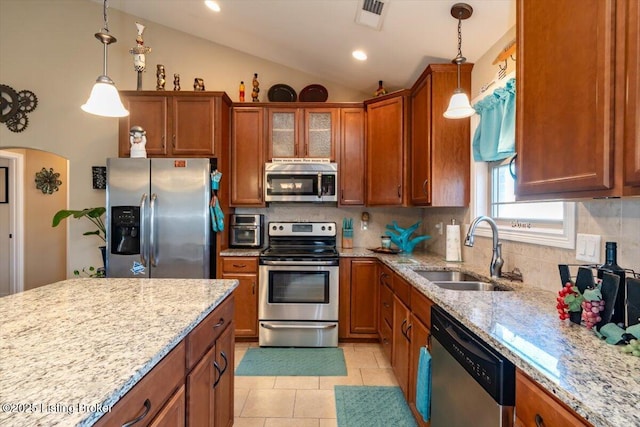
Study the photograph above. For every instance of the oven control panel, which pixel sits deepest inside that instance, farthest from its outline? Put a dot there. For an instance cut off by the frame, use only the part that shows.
(302, 229)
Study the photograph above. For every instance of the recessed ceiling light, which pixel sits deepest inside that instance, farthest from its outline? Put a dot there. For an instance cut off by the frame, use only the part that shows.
(212, 5)
(359, 55)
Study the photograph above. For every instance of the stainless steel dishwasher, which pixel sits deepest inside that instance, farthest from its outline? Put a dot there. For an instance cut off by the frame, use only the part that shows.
(472, 384)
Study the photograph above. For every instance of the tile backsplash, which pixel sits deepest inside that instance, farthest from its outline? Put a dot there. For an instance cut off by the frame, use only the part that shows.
(615, 220)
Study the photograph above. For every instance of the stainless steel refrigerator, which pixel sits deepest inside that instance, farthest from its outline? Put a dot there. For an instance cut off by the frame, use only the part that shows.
(158, 221)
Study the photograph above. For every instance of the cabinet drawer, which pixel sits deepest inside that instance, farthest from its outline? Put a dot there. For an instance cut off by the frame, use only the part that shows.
(386, 276)
(203, 336)
(534, 406)
(240, 265)
(402, 289)
(386, 305)
(150, 394)
(421, 307)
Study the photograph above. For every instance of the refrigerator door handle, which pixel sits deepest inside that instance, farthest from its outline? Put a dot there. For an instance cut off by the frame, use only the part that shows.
(143, 231)
(153, 253)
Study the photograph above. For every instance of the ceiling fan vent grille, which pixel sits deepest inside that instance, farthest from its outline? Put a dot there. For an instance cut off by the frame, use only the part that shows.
(371, 13)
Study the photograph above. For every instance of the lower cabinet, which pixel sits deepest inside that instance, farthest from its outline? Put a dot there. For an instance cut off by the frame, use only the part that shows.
(401, 344)
(536, 407)
(386, 318)
(192, 385)
(358, 298)
(245, 270)
(420, 332)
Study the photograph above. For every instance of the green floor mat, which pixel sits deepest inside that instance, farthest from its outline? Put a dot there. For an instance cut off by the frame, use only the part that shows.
(292, 362)
(372, 406)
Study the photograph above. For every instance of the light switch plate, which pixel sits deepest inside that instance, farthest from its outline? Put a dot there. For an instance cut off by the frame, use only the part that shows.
(588, 248)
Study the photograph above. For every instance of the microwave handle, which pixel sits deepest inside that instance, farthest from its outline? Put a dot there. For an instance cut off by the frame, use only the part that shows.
(319, 185)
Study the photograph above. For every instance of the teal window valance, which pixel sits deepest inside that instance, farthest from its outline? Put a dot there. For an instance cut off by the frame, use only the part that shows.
(495, 136)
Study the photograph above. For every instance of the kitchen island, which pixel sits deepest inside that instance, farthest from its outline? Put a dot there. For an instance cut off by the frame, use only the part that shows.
(591, 377)
(71, 350)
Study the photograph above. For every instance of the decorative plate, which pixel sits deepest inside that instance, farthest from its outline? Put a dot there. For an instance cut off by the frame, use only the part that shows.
(282, 93)
(314, 93)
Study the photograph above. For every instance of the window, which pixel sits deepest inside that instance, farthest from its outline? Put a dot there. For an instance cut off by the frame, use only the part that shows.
(541, 223)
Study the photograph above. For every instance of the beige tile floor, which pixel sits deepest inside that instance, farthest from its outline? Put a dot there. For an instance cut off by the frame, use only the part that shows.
(305, 401)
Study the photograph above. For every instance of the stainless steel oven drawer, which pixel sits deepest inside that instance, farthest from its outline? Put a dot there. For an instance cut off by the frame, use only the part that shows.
(298, 334)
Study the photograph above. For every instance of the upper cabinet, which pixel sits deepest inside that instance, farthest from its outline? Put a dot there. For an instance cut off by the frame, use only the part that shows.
(440, 148)
(576, 108)
(177, 124)
(387, 129)
(352, 159)
(302, 132)
(247, 156)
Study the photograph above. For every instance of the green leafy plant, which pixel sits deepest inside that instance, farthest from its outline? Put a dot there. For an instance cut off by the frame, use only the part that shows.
(90, 271)
(92, 214)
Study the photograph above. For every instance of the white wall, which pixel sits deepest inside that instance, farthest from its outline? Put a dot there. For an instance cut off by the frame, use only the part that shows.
(48, 47)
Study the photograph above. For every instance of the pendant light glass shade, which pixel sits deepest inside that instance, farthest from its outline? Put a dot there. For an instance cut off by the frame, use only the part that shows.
(105, 100)
(459, 106)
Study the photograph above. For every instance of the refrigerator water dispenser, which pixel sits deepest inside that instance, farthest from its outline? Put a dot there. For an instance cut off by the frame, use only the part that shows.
(125, 223)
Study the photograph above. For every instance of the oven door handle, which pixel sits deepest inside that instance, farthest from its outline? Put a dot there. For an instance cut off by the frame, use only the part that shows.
(272, 326)
(311, 263)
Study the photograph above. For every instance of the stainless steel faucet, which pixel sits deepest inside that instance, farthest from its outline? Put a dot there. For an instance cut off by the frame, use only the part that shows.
(495, 268)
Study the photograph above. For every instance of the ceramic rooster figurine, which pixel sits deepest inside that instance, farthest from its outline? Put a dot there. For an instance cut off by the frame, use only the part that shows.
(401, 236)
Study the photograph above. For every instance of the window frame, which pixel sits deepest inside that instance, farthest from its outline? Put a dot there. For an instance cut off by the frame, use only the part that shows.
(564, 237)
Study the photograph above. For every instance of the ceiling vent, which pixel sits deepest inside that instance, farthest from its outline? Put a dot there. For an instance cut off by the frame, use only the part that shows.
(371, 13)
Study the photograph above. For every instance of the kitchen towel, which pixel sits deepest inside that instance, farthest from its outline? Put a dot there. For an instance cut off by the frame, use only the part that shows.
(423, 388)
(454, 251)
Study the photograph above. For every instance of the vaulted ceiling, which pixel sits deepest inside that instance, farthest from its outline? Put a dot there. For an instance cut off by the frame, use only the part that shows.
(318, 36)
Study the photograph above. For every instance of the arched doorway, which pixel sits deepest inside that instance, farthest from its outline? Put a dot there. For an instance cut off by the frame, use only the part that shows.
(32, 253)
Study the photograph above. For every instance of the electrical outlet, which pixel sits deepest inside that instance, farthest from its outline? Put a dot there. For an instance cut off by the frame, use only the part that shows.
(588, 248)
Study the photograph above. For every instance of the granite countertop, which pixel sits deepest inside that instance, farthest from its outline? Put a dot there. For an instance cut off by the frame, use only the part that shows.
(593, 378)
(72, 349)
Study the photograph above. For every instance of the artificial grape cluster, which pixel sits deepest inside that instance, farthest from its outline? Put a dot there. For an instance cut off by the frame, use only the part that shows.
(591, 312)
(632, 348)
(562, 306)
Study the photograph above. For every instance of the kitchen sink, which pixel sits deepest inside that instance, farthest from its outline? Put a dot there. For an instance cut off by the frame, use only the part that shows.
(446, 276)
(470, 286)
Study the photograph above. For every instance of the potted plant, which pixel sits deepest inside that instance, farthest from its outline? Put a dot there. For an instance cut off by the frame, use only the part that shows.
(95, 216)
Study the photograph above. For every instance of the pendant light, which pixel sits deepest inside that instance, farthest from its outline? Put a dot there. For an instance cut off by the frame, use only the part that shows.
(459, 106)
(104, 99)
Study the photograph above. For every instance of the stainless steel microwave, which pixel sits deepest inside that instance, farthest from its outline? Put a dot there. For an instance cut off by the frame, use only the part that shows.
(301, 182)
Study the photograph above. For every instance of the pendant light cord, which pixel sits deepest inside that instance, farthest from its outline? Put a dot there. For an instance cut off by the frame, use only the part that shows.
(106, 20)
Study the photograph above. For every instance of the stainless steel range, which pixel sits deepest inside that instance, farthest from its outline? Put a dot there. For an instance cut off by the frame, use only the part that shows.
(298, 300)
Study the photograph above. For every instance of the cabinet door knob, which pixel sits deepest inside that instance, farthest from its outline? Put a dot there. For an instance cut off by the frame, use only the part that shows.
(399, 193)
(253, 288)
(424, 187)
(220, 323)
(539, 421)
(239, 265)
(217, 367)
(147, 408)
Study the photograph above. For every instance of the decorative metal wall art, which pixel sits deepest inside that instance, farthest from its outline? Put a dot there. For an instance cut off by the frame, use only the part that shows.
(14, 107)
(99, 177)
(139, 52)
(47, 181)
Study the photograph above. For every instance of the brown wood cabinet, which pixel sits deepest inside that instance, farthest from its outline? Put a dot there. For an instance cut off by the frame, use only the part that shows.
(440, 148)
(536, 407)
(401, 344)
(359, 298)
(186, 387)
(245, 270)
(420, 332)
(247, 156)
(310, 132)
(386, 317)
(210, 382)
(178, 124)
(352, 159)
(575, 124)
(387, 158)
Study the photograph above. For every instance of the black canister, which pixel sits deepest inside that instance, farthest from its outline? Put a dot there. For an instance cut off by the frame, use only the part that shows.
(611, 266)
